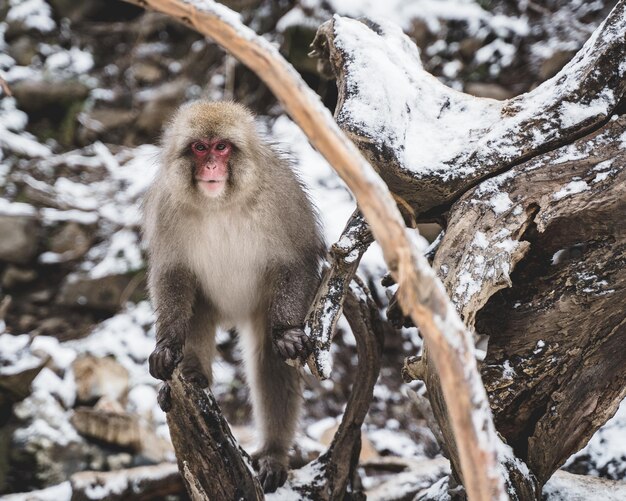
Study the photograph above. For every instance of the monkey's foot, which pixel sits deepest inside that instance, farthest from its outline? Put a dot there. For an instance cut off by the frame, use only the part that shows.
(164, 398)
(272, 472)
(164, 359)
(293, 344)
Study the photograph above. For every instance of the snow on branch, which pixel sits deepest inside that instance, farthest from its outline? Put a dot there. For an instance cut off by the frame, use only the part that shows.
(345, 256)
(431, 142)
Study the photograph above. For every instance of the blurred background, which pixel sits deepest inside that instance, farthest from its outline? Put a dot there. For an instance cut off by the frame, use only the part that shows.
(86, 89)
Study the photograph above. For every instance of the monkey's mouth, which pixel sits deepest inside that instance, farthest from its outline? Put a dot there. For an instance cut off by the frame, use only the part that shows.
(212, 187)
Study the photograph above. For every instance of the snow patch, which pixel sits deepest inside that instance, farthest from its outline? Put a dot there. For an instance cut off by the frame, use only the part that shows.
(571, 189)
(33, 14)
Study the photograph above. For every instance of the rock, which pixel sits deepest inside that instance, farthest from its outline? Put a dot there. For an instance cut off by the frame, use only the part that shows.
(430, 231)
(71, 240)
(108, 422)
(119, 461)
(107, 404)
(49, 325)
(17, 372)
(368, 452)
(160, 105)
(410, 476)
(41, 296)
(146, 73)
(469, 46)
(23, 49)
(99, 377)
(104, 294)
(143, 482)
(27, 322)
(115, 428)
(14, 276)
(59, 491)
(101, 123)
(74, 11)
(20, 238)
(39, 95)
(420, 33)
(40, 456)
(491, 90)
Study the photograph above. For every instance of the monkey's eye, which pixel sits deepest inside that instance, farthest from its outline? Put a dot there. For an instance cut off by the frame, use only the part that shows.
(221, 146)
(198, 146)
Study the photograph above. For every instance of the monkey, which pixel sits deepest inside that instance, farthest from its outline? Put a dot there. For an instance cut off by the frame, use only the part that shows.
(233, 241)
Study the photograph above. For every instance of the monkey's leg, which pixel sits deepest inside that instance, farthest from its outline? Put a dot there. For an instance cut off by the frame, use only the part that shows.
(276, 398)
(199, 349)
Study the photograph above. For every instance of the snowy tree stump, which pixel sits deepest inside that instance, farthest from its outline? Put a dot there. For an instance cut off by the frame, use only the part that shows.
(531, 192)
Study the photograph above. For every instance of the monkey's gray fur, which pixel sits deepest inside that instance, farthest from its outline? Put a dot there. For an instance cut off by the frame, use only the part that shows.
(248, 258)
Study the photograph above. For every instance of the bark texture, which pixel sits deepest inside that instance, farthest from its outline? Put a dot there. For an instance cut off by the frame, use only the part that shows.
(219, 468)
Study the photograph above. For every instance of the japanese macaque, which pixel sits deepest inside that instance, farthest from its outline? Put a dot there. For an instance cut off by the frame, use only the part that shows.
(233, 241)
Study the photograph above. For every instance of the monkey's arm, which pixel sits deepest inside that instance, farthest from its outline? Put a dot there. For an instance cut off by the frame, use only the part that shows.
(173, 292)
(294, 291)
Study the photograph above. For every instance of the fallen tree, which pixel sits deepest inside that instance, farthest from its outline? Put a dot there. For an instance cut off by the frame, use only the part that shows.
(519, 185)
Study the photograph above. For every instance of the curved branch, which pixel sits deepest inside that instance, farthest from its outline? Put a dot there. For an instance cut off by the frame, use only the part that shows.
(422, 295)
(337, 466)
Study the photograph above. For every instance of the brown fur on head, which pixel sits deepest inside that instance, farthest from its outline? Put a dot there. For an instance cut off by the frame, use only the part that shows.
(204, 119)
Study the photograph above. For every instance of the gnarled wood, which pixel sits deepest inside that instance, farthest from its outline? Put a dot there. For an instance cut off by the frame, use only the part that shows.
(211, 463)
(482, 245)
(402, 122)
(336, 468)
(545, 280)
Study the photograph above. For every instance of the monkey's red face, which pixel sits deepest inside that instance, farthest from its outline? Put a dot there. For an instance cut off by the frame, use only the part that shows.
(211, 164)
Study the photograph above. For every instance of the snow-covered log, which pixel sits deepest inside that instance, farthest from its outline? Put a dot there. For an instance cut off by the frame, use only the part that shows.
(142, 482)
(430, 143)
(544, 279)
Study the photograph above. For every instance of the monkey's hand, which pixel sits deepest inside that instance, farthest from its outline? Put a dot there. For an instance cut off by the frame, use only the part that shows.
(293, 344)
(164, 359)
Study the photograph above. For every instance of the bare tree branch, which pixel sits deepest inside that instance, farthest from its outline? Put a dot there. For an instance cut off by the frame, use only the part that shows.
(336, 468)
(325, 311)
